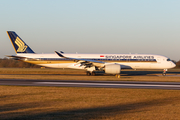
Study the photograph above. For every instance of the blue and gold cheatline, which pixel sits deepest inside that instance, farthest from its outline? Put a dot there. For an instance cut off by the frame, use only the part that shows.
(63, 60)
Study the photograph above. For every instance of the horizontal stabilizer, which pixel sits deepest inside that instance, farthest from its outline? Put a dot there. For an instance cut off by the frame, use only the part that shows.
(15, 57)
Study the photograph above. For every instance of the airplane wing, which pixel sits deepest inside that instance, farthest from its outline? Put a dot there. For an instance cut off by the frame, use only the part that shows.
(83, 61)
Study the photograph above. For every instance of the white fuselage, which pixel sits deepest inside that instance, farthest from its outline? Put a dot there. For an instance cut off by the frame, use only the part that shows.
(127, 61)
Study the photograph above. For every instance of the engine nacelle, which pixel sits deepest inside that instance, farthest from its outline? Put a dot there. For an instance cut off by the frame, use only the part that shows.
(112, 69)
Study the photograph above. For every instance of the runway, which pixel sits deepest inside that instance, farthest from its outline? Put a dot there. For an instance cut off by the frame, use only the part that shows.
(95, 84)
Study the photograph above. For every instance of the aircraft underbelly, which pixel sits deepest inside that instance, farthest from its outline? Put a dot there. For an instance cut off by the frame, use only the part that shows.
(57, 65)
(136, 65)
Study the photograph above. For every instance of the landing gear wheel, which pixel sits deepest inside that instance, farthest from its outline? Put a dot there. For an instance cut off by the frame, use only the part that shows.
(164, 74)
(118, 76)
(88, 73)
(93, 73)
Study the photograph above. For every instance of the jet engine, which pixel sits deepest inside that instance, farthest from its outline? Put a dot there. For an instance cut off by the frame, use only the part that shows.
(112, 68)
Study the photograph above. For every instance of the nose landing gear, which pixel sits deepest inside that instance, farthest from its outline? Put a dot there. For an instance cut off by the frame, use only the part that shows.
(164, 72)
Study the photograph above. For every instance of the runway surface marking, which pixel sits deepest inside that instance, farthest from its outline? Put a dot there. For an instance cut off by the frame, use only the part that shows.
(96, 84)
(170, 75)
(101, 84)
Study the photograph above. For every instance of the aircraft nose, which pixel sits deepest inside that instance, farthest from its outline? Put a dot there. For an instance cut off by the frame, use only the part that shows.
(173, 65)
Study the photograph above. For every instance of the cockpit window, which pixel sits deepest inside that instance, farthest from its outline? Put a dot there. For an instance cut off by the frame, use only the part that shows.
(168, 59)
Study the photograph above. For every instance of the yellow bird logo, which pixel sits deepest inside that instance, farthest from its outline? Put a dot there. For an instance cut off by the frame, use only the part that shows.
(21, 46)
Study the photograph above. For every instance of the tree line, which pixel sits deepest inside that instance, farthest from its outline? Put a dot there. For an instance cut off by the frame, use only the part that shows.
(10, 63)
(178, 64)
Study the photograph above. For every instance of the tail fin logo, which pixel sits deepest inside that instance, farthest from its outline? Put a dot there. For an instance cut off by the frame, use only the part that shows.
(21, 46)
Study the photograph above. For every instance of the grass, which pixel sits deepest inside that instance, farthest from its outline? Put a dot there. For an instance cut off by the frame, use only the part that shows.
(39, 71)
(20, 102)
(87, 103)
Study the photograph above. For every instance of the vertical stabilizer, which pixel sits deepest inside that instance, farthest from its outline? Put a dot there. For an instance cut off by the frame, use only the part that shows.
(19, 45)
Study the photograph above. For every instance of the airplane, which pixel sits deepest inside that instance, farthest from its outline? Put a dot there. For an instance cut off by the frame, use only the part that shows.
(109, 63)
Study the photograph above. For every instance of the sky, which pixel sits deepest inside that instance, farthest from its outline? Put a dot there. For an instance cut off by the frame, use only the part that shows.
(93, 26)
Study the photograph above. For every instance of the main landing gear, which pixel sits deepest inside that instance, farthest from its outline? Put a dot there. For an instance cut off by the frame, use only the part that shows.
(164, 72)
(118, 75)
(90, 73)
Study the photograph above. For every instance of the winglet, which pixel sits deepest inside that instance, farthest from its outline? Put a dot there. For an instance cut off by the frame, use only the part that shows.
(59, 54)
